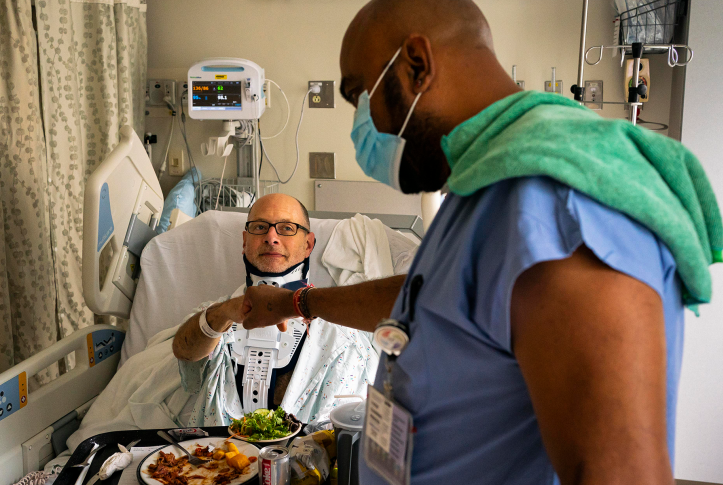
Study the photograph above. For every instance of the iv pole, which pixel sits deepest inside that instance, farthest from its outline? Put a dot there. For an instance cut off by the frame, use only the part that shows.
(579, 89)
(636, 49)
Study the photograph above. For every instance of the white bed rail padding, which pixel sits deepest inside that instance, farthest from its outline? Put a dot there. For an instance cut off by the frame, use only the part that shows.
(24, 414)
(122, 205)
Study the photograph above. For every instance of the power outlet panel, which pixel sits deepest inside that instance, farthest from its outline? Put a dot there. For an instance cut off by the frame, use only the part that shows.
(558, 86)
(157, 89)
(182, 87)
(176, 163)
(593, 95)
(325, 99)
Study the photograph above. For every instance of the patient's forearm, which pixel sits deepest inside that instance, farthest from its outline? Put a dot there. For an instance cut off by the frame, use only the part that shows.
(359, 306)
(191, 344)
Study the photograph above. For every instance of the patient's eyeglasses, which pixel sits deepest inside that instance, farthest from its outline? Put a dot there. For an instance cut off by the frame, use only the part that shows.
(260, 228)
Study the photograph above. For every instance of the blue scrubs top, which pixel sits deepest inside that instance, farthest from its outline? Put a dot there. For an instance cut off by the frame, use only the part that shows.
(458, 376)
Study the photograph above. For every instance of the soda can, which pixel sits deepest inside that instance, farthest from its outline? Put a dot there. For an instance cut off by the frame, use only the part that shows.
(274, 466)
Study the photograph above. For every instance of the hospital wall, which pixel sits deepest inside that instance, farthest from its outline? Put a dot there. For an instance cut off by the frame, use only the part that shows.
(299, 40)
(699, 441)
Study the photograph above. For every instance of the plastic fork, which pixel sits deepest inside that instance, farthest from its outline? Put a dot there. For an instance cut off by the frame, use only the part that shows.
(95, 450)
(193, 460)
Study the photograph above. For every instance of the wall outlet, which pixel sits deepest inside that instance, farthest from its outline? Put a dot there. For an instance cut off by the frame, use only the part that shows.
(176, 162)
(593, 95)
(521, 84)
(183, 86)
(157, 89)
(325, 99)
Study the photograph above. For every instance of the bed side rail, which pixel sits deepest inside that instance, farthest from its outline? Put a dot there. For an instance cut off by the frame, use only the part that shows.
(25, 414)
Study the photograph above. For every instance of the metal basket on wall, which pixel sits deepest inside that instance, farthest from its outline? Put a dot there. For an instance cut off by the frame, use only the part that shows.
(234, 192)
(649, 22)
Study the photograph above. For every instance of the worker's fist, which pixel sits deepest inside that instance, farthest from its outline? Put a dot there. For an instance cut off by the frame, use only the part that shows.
(266, 305)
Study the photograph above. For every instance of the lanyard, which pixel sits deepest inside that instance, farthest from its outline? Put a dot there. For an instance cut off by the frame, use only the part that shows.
(392, 336)
(388, 426)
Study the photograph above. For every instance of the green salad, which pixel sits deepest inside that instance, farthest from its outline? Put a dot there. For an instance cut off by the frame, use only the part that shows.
(263, 424)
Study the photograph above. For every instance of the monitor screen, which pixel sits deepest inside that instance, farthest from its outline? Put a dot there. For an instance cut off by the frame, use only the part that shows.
(217, 95)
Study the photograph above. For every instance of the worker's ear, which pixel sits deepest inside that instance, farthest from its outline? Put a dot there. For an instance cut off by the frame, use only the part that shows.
(418, 62)
(310, 243)
(244, 236)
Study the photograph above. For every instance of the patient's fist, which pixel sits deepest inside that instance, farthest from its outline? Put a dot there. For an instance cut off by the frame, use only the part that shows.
(265, 305)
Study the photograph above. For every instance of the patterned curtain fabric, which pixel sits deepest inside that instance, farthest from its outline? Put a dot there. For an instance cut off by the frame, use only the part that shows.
(91, 59)
(93, 74)
(27, 287)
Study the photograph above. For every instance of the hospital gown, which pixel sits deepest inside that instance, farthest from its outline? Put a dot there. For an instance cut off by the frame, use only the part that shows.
(333, 360)
(148, 392)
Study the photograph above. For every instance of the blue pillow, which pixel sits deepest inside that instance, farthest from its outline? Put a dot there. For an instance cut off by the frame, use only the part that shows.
(182, 197)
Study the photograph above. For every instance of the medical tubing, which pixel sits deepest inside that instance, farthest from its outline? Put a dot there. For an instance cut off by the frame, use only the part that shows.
(298, 128)
(168, 146)
(288, 111)
(220, 188)
(190, 156)
(261, 162)
(263, 151)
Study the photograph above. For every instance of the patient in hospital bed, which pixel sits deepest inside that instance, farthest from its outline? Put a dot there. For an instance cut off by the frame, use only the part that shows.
(326, 360)
(154, 389)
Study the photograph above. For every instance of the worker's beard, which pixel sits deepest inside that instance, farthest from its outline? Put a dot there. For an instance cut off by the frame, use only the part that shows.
(424, 166)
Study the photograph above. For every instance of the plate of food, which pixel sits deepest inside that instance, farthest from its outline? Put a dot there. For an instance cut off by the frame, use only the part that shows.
(227, 462)
(265, 427)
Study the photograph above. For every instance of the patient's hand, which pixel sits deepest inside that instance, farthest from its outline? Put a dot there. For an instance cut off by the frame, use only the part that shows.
(265, 305)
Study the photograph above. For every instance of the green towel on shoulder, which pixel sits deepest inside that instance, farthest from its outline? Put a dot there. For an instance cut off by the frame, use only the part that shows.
(650, 178)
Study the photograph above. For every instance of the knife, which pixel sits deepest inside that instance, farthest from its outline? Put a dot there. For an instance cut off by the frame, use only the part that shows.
(96, 477)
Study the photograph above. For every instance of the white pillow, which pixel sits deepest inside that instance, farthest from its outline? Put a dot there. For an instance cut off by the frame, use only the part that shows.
(202, 260)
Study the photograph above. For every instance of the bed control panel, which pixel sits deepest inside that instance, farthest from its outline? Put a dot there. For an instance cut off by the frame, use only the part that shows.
(13, 395)
(102, 344)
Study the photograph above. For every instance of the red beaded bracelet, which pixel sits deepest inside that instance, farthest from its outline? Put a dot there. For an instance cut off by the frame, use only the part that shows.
(297, 296)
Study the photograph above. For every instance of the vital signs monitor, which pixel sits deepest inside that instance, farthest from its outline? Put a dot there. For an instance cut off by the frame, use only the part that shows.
(226, 88)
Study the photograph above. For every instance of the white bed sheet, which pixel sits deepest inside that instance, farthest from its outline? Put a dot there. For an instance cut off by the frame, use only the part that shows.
(201, 260)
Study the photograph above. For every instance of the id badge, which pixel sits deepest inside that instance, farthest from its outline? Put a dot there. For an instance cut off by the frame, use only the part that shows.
(388, 439)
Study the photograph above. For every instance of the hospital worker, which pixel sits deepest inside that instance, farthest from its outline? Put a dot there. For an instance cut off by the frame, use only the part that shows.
(544, 308)
(277, 244)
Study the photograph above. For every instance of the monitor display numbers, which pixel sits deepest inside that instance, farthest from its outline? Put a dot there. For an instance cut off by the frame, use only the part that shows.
(217, 95)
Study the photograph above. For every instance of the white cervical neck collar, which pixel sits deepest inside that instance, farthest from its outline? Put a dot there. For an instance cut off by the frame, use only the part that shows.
(296, 274)
(264, 349)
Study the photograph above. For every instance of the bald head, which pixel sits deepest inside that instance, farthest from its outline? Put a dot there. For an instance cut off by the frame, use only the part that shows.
(447, 57)
(442, 21)
(289, 204)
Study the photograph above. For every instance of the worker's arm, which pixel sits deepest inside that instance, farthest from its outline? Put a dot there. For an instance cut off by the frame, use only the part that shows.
(590, 342)
(359, 306)
(191, 344)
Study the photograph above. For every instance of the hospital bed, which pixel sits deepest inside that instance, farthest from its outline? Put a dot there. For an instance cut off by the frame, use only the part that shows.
(197, 261)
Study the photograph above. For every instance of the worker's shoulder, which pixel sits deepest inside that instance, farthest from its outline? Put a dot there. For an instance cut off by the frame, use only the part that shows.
(539, 218)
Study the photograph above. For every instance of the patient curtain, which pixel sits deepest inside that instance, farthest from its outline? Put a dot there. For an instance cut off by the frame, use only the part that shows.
(91, 66)
(27, 283)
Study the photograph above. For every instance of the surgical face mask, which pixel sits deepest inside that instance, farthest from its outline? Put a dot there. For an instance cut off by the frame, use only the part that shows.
(378, 154)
